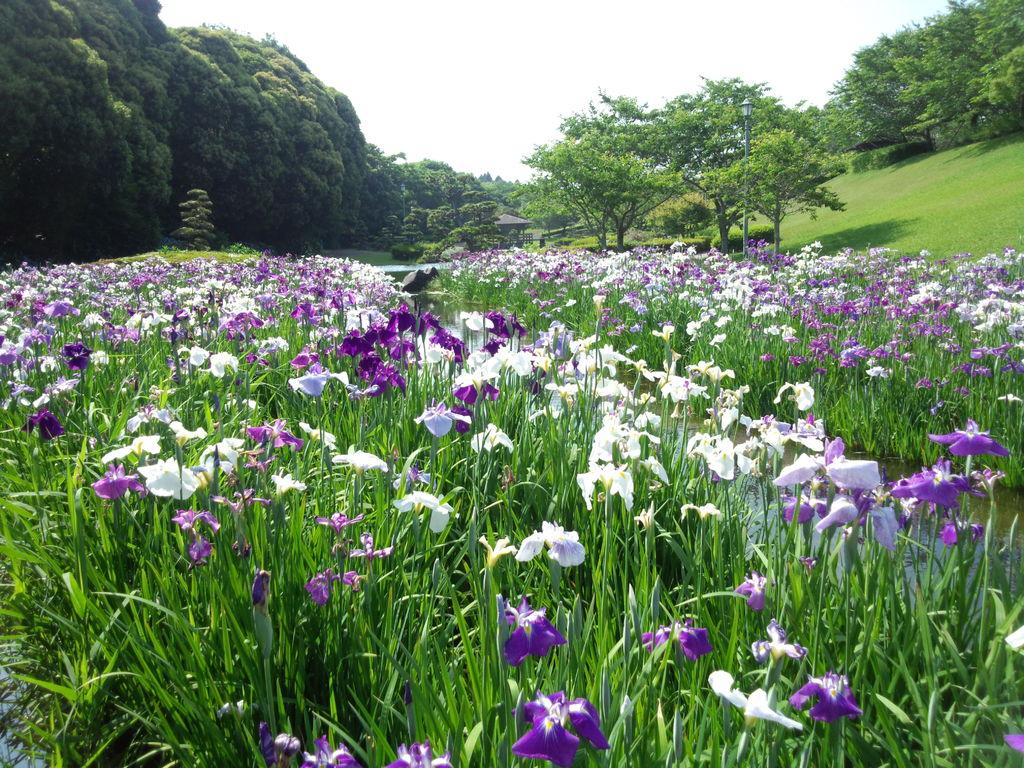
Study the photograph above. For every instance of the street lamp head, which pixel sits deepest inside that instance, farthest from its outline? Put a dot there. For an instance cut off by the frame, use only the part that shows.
(748, 108)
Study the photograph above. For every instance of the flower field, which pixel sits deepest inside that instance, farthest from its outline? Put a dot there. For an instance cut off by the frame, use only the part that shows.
(895, 347)
(263, 513)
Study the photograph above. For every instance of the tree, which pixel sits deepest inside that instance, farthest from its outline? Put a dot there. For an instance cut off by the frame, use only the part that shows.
(108, 117)
(941, 81)
(196, 220)
(84, 166)
(1001, 84)
(603, 169)
(701, 137)
(280, 152)
(785, 174)
(545, 210)
(684, 215)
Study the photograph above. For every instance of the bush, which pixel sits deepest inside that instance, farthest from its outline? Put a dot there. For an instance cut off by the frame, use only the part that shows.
(758, 232)
(700, 243)
(407, 251)
(588, 243)
(241, 249)
(686, 215)
(873, 159)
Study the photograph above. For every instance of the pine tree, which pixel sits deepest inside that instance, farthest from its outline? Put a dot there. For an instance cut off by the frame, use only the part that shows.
(196, 212)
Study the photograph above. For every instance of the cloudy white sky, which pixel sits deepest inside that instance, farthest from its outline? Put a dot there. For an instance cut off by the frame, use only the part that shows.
(478, 84)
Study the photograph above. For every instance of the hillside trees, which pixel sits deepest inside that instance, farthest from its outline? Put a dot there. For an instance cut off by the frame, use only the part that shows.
(109, 118)
(280, 152)
(84, 167)
(959, 75)
(701, 136)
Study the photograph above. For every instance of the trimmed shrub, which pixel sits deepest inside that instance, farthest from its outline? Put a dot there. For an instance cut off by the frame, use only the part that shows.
(757, 232)
(702, 244)
(407, 251)
(873, 159)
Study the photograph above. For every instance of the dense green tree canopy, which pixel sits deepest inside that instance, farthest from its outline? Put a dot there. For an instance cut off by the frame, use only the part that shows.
(109, 118)
(957, 76)
(84, 161)
(280, 153)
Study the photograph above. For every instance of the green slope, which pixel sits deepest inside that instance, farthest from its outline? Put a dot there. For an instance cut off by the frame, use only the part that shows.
(966, 199)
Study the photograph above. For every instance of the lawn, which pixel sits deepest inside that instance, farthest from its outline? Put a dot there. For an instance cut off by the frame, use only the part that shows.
(968, 198)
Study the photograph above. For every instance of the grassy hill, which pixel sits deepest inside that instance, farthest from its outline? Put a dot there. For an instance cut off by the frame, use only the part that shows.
(966, 199)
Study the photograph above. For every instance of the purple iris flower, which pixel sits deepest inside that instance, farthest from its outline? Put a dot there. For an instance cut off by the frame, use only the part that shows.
(446, 340)
(49, 426)
(549, 739)
(199, 548)
(534, 634)
(950, 533)
(469, 393)
(354, 345)
(970, 441)
(60, 308)
(304, 359)
(439, 418)
(260, 593)
(323, 756)
(339, 521)
(246, 498)
(807, 510)
(383, 375)
(753, 589)
(462, 426)
(115, 483)
(77, 356)
(276, 434)
(305, 313)
(189, 519)
(312, 382)
(420, 756)
(415, 476)
(775, 647)
(401, 320)
(492, 346)
(937, 485)
(1015, 741)
(278, 750)
(693, 641)
(368, 550)
(319, 587)
(834, 698)
(843, 510)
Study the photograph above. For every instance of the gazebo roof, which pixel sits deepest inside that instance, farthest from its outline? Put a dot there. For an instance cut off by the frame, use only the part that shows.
(508, 220)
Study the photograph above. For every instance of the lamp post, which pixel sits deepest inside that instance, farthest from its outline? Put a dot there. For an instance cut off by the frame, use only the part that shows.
(748, 109)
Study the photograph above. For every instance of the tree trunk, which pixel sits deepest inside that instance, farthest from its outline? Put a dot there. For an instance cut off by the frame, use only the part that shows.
(723, 228)
(777, 221)
(620, 238)
(602, 240)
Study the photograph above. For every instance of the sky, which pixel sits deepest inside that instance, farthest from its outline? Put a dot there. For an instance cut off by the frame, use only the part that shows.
(479, 84)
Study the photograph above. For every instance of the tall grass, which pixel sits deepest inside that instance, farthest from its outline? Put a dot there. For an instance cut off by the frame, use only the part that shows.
(126, 651)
